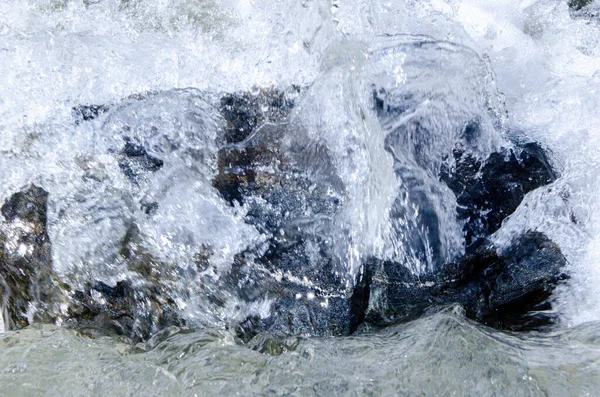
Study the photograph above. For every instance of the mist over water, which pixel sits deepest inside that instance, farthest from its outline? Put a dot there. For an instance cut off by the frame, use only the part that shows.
(526, 71)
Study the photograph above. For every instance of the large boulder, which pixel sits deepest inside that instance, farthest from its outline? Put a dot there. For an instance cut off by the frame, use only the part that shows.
(505, 289)
(254, 157)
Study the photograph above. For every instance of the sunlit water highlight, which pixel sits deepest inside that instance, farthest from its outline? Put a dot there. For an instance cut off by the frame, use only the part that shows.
(535, 72)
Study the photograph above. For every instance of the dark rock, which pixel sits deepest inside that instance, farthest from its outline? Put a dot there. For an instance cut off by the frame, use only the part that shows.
(28, 205)
(577, 5)
(533, 267)
(297, 309)
(245, 111)
(359, 301)
(135, 161)
(136, 312)
(30, 292)
(283, 179)
(290, 188)
(238, 161)
(270, 177)
(488, 192)
(149, 208)
(88, 112)
(256, 168)
(309, 316)
(503, 291)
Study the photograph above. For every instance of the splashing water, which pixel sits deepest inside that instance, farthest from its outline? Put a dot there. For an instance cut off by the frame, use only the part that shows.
(135, 171)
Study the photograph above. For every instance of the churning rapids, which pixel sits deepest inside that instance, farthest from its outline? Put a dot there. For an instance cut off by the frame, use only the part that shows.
(300, 197)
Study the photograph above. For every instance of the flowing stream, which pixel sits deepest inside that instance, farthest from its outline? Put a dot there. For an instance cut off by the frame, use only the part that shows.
(156, 70)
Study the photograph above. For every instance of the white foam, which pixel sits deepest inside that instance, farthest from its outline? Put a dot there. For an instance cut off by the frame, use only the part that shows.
(55, 54)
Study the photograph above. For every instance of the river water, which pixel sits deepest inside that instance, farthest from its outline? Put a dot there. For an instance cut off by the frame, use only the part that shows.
(527, 70)
(440, 355)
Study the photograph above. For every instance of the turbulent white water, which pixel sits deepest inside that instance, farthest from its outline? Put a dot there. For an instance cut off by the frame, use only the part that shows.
(525, 70)
(57, 54)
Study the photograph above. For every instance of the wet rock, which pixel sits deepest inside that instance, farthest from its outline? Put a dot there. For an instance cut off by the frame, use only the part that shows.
(29, 290)
(509, 290)
(136, 307)
(88, 112)
(134, 161)
(256, 168)
(487, 192)
(263, 164)
(577, 5)
(533, 266)
(244, 111)
(239, 162)
(298, 306)
(32, 293)
(134, 311)
(291, 194)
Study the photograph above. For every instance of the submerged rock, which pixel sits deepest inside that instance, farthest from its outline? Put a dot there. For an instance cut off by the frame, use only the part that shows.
(257, 169)
(136, 307)
(136, 312)
(135, 161)
(245, 165)
(262, 165)
(88, 112)
(577, 5)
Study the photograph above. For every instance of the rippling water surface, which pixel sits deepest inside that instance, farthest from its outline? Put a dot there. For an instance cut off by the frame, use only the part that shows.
(442, 355)
(526, 70)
